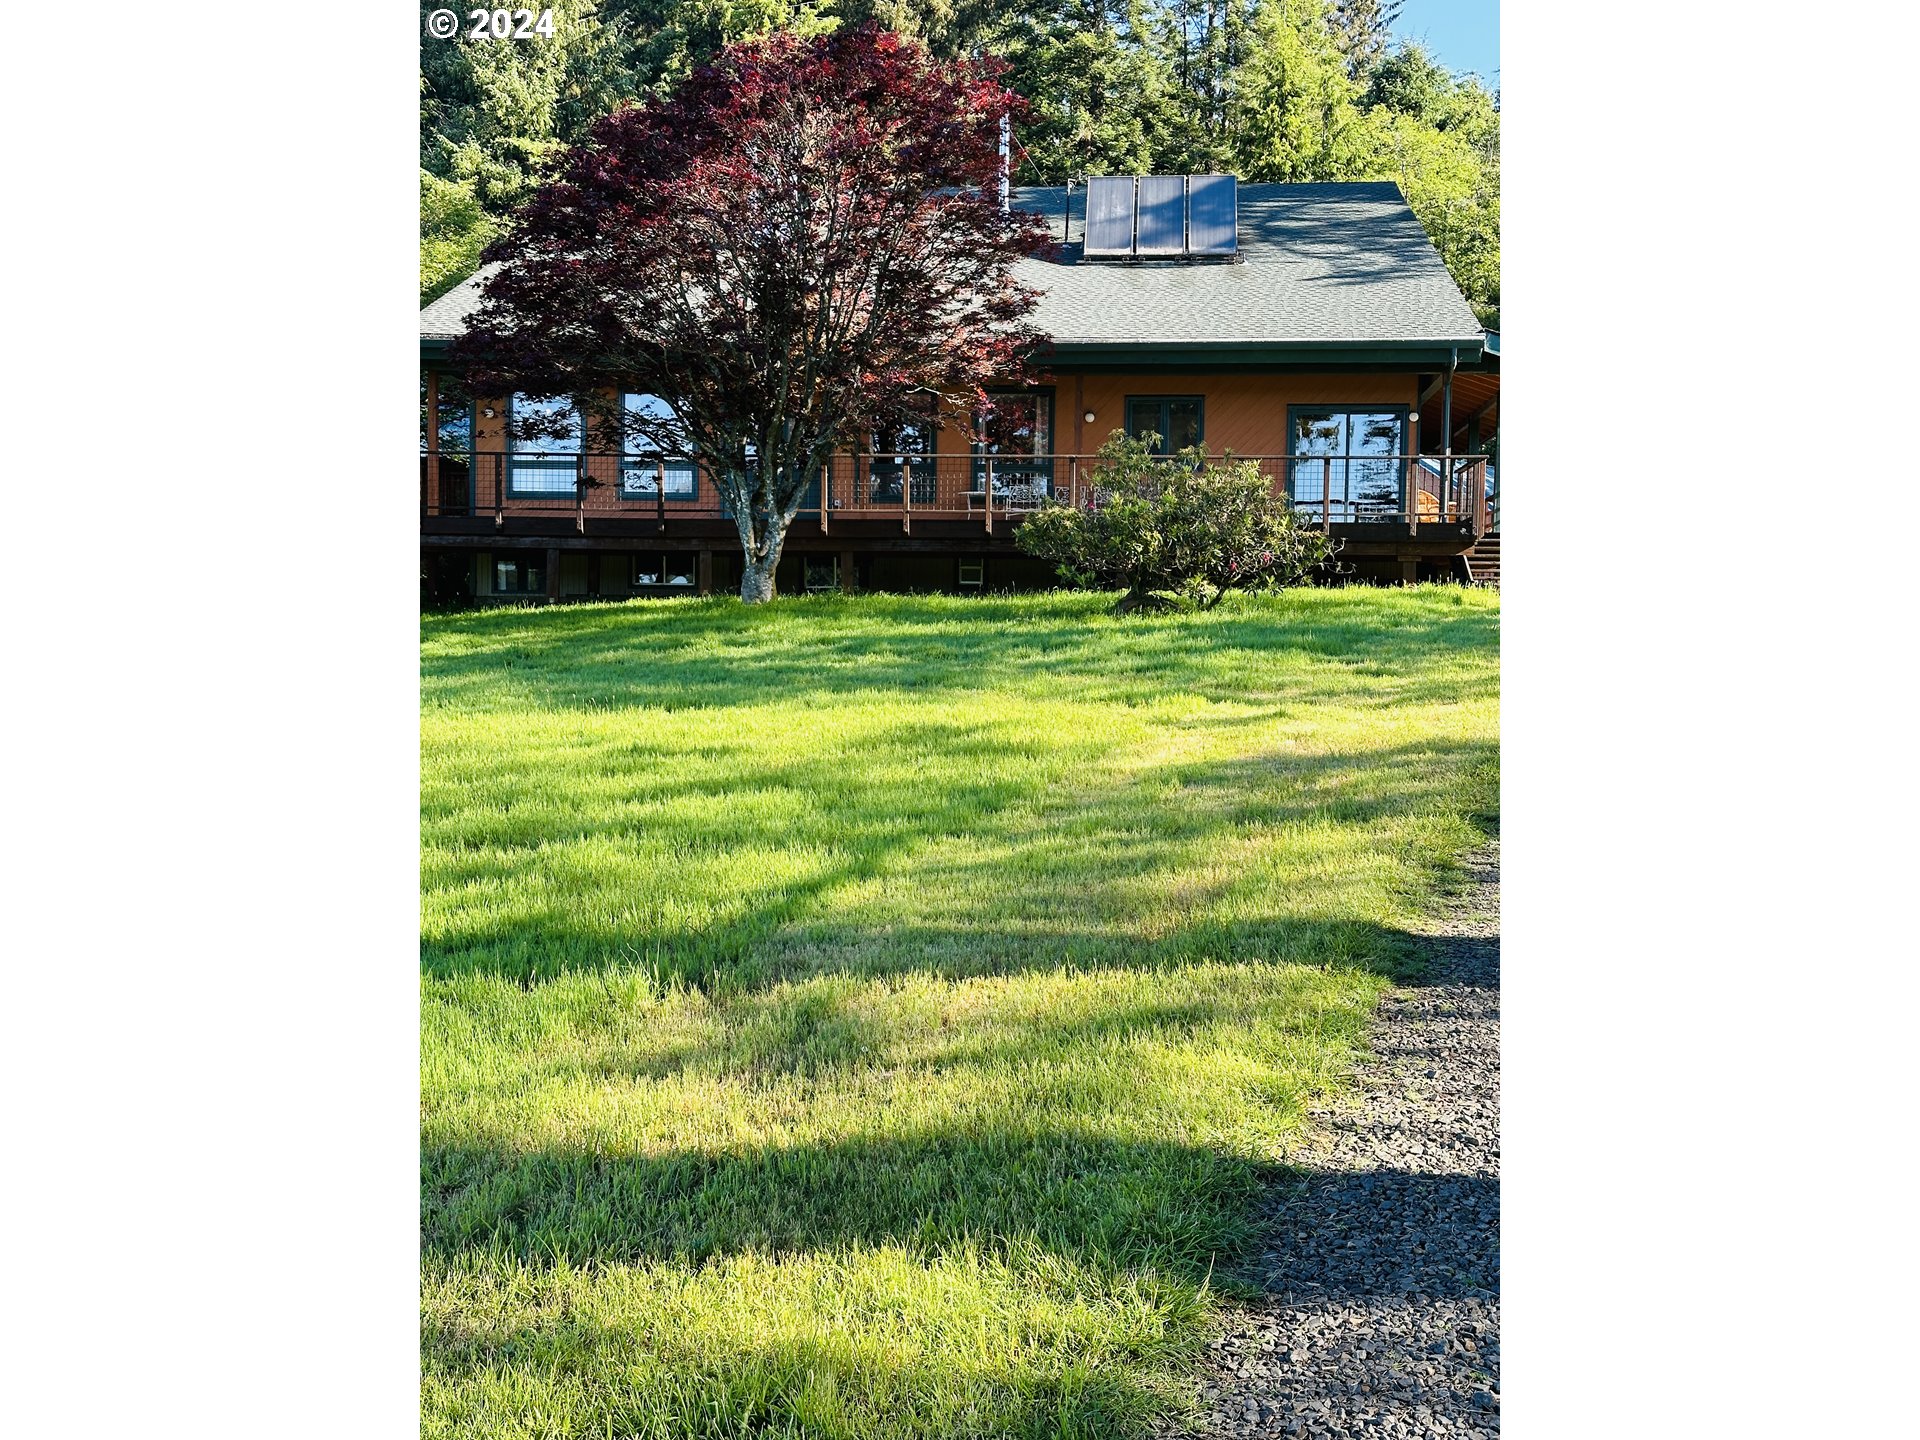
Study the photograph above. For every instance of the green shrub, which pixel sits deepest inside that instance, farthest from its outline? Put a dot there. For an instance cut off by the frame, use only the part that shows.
(1164, 525)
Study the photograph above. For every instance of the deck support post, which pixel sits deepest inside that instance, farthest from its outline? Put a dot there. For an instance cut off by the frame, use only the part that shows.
(847, 576)
(1409, 569)
(553, 576)
(593, 572)
(703, 573)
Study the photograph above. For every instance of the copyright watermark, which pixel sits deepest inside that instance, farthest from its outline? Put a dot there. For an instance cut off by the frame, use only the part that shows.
(492, 24)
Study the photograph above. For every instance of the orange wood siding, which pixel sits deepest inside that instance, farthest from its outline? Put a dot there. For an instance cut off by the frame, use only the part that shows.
(1243, 413)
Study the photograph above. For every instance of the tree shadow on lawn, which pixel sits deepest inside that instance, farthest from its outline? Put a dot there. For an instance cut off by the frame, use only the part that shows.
(1231, 860)
(1137, 1231)
(1109, 1205)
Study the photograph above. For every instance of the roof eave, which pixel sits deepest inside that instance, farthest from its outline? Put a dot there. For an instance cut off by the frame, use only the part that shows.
(1404, 354)
(1427, 354)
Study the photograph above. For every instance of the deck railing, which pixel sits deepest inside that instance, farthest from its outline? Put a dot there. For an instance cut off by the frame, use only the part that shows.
(993, 490)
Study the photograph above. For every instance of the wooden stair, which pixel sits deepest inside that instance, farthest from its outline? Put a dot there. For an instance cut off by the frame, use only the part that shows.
(1483, 561)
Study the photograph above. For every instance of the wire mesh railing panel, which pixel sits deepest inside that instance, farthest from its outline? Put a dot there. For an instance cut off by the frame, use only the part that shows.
(1344, 490)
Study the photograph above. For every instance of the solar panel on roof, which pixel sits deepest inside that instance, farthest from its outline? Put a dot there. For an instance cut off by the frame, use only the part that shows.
(1163, 220)
(1212, 209)
(1109, 229)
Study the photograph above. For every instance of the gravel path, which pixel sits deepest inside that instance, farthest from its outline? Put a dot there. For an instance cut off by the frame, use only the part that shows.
(1382, 1268)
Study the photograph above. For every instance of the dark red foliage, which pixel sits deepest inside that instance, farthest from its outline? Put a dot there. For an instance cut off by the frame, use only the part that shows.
(792, 248)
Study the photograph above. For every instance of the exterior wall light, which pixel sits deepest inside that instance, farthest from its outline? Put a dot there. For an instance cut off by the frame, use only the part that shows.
(1089, 417)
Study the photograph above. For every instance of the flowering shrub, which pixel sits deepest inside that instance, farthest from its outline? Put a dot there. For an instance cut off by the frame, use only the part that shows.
(1161, 526)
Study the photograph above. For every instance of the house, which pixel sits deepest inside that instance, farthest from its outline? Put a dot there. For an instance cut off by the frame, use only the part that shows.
(1311, 327)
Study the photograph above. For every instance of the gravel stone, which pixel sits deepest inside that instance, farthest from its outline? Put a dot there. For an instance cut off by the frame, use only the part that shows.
(1381, 1267)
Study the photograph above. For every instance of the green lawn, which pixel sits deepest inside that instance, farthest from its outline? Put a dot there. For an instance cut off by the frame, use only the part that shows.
(875, 1017)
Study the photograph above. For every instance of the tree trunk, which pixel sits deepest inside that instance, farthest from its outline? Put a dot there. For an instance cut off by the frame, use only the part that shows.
(763, 536)
(1141, 598)
(756, 581)
(762, 557)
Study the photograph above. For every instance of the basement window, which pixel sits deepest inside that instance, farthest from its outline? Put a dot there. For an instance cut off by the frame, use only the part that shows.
(973, 574)
(519, 575)
(654, 570)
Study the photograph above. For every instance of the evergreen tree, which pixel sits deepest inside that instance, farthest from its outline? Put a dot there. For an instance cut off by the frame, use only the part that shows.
(1290, 90)
(1362, 29)
(1298, 116)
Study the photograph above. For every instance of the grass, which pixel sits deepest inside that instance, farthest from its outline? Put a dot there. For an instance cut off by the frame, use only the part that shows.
(876, 1017)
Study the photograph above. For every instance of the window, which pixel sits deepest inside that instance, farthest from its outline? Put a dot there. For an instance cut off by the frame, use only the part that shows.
(519, 575)
(654, 570)
(1017, 433)
(549, 463)
(820, 572)
(1347, 462)
(455, 416)
(448, 486)
(647, 462)
(973, 574)
(1175, 419)
(909, 442)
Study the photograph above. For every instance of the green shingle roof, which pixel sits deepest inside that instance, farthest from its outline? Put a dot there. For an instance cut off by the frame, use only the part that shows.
(1322, 265)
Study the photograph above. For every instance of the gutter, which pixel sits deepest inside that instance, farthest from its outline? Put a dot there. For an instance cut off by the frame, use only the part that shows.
(1450, 342)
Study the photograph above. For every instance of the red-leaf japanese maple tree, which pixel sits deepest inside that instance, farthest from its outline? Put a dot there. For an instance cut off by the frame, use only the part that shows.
(792, 249)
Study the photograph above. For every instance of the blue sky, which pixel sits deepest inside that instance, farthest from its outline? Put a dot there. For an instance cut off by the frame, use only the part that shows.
(1460, 34)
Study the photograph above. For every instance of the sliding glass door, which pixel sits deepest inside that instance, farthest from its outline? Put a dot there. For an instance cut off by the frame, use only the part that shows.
(1018, 435)
(1346, 461)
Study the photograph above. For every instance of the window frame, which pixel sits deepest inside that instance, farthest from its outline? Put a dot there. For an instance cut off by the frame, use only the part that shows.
(925, 481)
(1166, 403)
(547, 459)
(470, 454)
(976, 480)
(660, 557)
(669, 463)
(522, 561)
(1347, 456)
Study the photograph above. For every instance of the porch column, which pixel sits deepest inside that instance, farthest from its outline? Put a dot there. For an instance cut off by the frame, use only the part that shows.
(553, 577)
(430, 482)
(1493, 520)
(703, 573)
